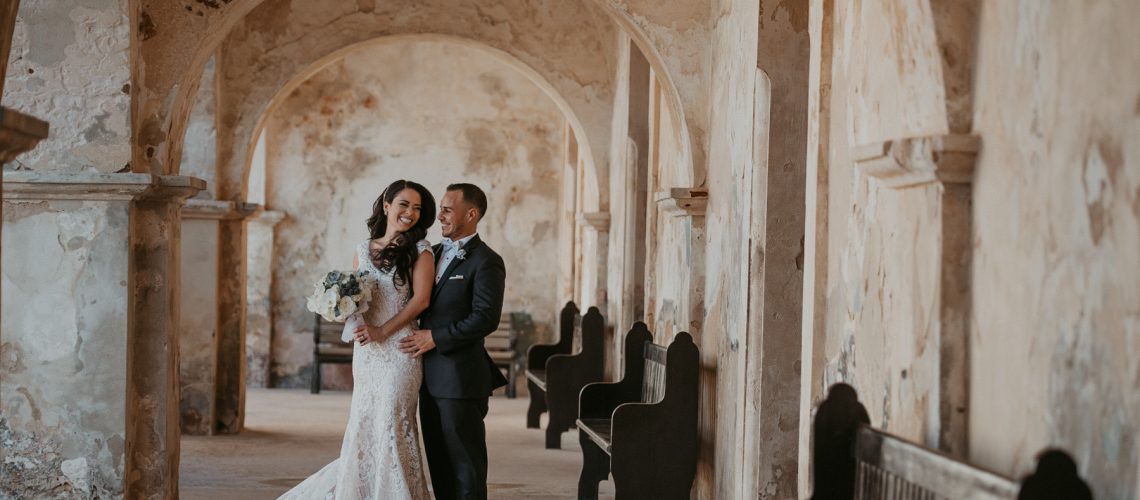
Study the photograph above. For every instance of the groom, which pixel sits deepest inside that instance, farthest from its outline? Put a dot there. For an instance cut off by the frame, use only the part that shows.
(466, 303)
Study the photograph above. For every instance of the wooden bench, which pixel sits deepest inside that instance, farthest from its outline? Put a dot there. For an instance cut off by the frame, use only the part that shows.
(538, 354)
(643, 429)
(501, 346)
(852, 460)
(327, 348)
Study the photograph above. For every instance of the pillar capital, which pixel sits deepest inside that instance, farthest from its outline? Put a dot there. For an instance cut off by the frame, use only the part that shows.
(19, 133)
(96, 186)
(681, 202)
(913, 161)
(598, 221)
(196, 208)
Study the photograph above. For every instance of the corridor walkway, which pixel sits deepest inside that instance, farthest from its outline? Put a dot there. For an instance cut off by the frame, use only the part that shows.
(291, 433)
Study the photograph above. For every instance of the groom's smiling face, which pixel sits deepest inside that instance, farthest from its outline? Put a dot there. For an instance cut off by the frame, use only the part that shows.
(457, 218)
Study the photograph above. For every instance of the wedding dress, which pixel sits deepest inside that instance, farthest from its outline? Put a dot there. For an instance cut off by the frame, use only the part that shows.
(380, 457)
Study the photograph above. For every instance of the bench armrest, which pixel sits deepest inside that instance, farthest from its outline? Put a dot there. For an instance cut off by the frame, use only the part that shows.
(599, 399)
(538, 354)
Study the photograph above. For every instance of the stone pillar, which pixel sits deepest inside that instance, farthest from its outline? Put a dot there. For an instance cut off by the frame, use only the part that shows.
(205, 362)
(259, 300)
(230, 389)
(88, 401)
(687, 206)
(595, 230)
(947, 160)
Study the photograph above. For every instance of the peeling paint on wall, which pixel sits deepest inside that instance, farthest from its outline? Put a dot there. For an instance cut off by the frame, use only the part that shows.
(69, 63)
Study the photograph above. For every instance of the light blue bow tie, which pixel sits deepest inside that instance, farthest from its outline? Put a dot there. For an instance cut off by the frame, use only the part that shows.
(451, 245)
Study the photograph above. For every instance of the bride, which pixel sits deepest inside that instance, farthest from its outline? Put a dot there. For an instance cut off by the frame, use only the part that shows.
(380, 455)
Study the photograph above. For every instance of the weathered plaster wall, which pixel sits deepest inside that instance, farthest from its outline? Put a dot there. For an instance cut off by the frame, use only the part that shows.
(1054, 231)
(428, 111)
(62, 404)
(1057, 218)
(69, 64)
(883, 243)
(200, 147)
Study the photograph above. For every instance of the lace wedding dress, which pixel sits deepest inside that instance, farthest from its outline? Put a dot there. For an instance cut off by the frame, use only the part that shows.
(380, 455)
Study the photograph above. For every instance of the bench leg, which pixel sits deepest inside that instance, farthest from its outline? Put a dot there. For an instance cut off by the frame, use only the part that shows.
(315, 387)
(553, 435)
(537, 405)
(595, 468)
(511, 375)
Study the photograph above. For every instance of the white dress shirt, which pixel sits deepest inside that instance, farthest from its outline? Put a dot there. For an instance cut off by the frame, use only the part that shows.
(449, 255)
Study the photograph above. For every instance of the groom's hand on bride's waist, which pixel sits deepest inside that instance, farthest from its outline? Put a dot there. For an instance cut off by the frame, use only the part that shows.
(418, 343)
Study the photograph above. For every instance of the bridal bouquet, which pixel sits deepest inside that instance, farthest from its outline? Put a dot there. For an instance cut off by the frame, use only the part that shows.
(341, 295)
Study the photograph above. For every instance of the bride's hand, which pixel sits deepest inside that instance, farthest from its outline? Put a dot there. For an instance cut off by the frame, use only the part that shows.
(367, 333)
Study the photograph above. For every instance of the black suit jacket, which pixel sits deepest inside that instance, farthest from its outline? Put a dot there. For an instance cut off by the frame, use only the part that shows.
(465, 307)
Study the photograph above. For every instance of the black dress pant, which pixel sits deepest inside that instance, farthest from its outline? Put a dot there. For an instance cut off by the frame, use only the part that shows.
(455, 440)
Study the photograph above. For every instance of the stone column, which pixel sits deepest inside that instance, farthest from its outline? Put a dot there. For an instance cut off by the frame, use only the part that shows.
(152, 362)
(88, 400)
(596, 227)
(687, 206)
(230, 389)
(204, 362)
(595, 230)
(259, 300)
(947, 160)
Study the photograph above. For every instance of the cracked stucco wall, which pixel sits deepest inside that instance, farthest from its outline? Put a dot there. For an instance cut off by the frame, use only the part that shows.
(1054, 324)
(69, 64)
(200, 147)
(1057, 228)
(434, 112)
(62, 404)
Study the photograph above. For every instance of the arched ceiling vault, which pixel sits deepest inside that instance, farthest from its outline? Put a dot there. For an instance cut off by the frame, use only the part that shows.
(298, 79)
(266, 43)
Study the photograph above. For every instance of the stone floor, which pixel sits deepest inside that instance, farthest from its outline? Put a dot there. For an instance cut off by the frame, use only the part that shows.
(291, 434)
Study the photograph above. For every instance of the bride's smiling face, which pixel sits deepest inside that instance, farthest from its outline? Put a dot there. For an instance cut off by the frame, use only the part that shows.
(404, 210)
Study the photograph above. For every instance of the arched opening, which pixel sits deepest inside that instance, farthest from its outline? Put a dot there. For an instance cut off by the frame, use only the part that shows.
(431, 109)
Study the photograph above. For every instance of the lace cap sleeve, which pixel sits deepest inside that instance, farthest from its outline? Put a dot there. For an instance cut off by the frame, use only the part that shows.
(424, 246)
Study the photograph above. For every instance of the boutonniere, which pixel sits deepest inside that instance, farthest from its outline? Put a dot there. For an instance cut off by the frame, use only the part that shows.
(461, 254)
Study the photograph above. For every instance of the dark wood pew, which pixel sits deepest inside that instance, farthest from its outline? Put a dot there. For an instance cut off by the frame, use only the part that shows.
(852, 460)
(327, 348)
(538, 354)
(643, 429)
(567, 374)
(502, 345)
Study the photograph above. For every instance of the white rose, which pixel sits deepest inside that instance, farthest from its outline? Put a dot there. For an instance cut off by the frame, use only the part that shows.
(347, 307)
(329, 300)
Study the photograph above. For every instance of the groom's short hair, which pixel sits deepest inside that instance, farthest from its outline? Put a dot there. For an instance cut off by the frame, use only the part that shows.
(473, 195)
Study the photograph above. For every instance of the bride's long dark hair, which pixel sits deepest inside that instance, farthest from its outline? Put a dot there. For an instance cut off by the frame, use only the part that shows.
(401, 252)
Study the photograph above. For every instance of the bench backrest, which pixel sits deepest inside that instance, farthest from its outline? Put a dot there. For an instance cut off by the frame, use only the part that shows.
(326, 333)
(852, 460)
(890, 467)
(569, 321)
(653, 378)
(502, 339)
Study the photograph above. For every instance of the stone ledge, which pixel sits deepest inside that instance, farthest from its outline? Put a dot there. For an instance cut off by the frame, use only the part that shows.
(19, 133)
(599, 221)
(267, 217)
(914, 161)
(94, 186)
(217, 210)
(681, 202)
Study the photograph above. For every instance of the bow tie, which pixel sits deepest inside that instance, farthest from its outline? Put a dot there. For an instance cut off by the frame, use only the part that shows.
(451, 245)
